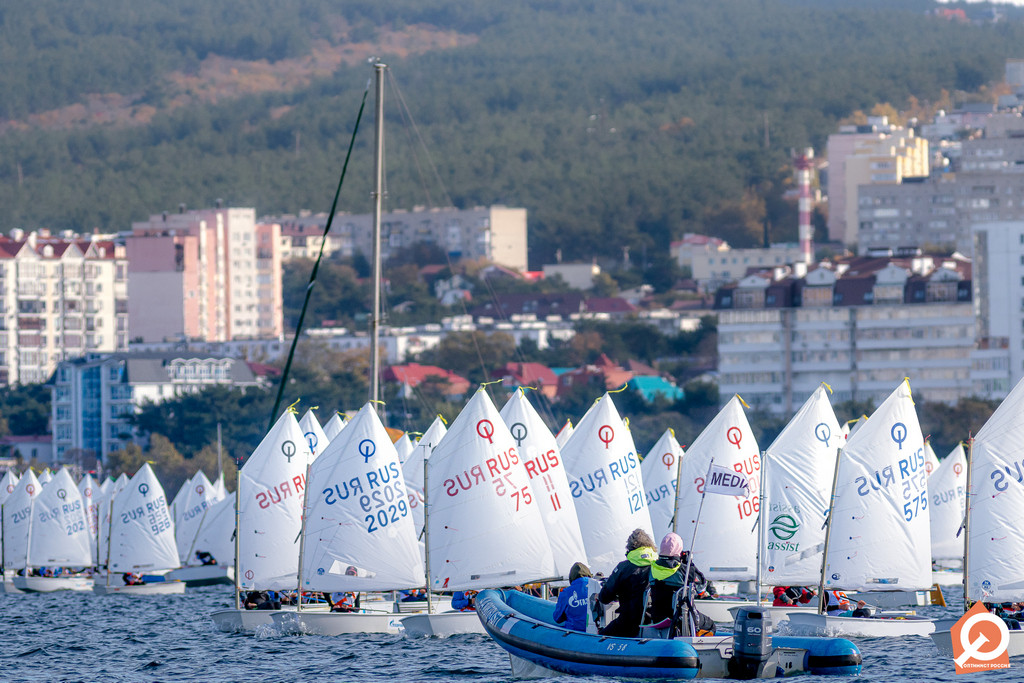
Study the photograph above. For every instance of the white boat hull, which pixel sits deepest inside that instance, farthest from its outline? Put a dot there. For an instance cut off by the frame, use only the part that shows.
(321, 623)
(204, 575)
(866, 627)
(948, 577)
(780, 614)
(155, 588)
(442, 624)
(49, 584)
(721, 610)
(944, 642)
(890, 599)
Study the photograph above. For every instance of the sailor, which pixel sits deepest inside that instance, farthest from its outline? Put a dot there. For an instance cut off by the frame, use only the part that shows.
(668, 575)
(344, 602)
(205, 558)
(627, 584)
(840, 605)
(260, 600)
(791, 595)
(464, 601)
(132, 579)
(572, 605)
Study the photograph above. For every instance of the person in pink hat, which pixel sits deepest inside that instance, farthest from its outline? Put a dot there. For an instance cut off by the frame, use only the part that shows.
(668, 575)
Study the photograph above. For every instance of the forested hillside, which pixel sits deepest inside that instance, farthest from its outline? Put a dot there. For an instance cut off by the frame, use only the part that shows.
(615, 124)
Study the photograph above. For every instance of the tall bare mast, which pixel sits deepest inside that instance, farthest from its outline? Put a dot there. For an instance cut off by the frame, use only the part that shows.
(378, 196)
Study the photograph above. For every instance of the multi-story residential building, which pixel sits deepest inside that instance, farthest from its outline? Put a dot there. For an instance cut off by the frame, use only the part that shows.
(999, 300)
(95, 396)
(59, 297)
(495, 233)
(210, 275)
(861, 325)
(878, 153)
(713, 263)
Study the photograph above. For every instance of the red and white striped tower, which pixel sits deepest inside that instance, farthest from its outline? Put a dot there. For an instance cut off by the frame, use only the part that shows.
(804, 163)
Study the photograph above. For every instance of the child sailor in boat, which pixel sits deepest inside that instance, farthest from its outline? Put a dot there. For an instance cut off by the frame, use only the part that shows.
(791, 595)
(668, 575)
(573, 600)
(840, 605)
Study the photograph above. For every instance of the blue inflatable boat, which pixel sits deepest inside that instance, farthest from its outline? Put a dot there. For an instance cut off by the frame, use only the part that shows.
(524, 626)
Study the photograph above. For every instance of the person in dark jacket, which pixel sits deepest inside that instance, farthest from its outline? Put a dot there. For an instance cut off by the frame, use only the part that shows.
(627, 584)
(791, 595)
(668, 575)
(572, 605)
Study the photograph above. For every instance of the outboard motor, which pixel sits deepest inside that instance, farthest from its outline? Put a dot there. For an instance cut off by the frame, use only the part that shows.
(751, 642)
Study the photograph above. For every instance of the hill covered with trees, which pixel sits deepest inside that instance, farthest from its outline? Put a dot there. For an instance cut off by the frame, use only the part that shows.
(616, 124)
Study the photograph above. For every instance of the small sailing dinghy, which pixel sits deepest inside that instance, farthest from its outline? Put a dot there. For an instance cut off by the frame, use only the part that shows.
(7, 486)
(947, 488)
(993, 550)
(316, 439)
(879, 492)
(268, 517)
(484, 527)
(141, 534)
(199, 567)
(358, 534)
(58, 540)
(660, 468)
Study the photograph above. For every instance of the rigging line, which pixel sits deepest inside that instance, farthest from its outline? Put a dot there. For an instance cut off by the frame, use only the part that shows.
(316, 264)
(423, 144)
(407, 126)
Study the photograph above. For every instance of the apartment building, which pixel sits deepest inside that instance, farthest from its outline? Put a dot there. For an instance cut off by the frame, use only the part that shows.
(713, 263)
(496, 233)
(860, 324)
(208, 275)
(59, 297)
(95, 396)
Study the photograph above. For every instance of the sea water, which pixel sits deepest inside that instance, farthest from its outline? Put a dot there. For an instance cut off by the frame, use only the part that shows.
(82, 637)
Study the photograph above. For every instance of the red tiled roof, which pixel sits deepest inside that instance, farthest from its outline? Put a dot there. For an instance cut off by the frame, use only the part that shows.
(414, 374)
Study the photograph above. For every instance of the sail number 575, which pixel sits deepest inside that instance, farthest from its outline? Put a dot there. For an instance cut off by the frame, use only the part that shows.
(916, 505)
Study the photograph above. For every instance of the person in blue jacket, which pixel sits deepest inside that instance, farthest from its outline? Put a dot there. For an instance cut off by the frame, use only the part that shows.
(572, 600)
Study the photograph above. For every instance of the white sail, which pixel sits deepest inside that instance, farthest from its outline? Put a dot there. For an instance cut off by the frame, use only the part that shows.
(542, 460)
(798, 471)
(60, 532)
(7, 485)
(931, 461)
(17, 513)
(604, 477)
(335, 425)
(404, 447)
(91, 499)
(947, 489)
(201, 495)
(486, 528)
(660, 468)
(359, 532)
(412, 469)
(115, 487)
(220, 491)
(995, 545)
(562, 437)
(177, 504)
(880, 538)
(142, 531)
(728, 441)
(46, 477)
(270, 491)
(107, 484)
(316, 439)
(216, 534)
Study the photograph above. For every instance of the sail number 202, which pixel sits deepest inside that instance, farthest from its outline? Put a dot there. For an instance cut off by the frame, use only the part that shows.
(386, 506)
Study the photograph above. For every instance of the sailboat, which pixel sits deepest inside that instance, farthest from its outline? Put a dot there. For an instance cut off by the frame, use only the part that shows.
(660, 468)
(880, 492)
(729, 442)
(335, 425)
(994, 522)
(604, 477)
(268, 517)
(194, 508)
(17, 511)
(58, 539)
(7, 486)
(483, 525)
(316, 439)
(412, 469)
(947, 489)
(141, 534)
(562, 437)
(357, 532)
(404, 446)
(91, 495)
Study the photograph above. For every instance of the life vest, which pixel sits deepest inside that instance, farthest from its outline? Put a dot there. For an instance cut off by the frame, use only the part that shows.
(642, 557)
(837, 601)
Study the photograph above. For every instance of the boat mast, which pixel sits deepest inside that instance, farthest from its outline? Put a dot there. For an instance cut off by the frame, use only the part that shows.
(302, 534)
(28, 546)
(220, 462)
(238, 497)
(822, 599)
(760, 530)
(110, 536)
(966, 528)
(426, 537)
(675, 508)
(378, 196)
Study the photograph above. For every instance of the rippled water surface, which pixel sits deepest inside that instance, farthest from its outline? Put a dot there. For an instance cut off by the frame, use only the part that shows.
(81, 637)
